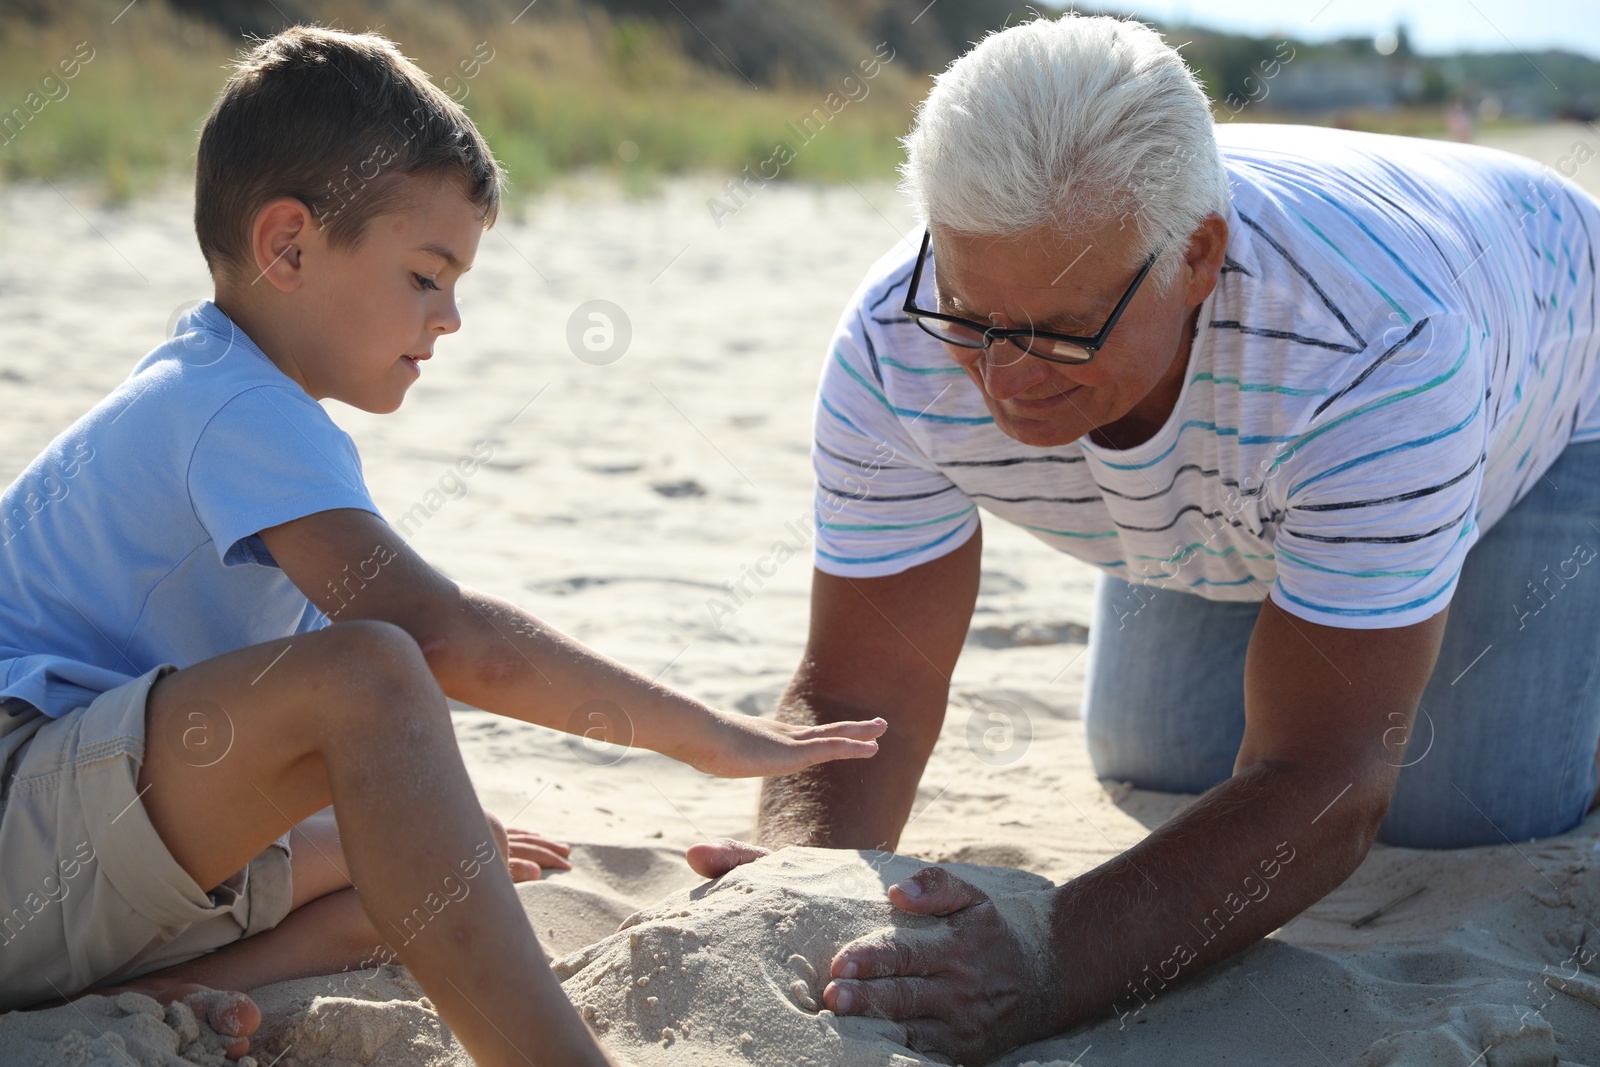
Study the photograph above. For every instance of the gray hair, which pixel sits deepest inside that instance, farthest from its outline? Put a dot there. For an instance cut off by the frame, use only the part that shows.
(1068, 124)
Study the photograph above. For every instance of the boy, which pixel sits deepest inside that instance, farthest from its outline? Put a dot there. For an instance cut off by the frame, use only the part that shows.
(208, 514)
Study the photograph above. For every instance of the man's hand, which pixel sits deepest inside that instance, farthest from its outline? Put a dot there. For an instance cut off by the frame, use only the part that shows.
(737, 746)
(967, 991)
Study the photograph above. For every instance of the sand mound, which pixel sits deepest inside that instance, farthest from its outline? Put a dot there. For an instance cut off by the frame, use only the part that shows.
(732, 972)
(112, 1032)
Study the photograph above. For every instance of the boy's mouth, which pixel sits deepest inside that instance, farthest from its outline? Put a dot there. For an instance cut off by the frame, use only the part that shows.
(412, 361)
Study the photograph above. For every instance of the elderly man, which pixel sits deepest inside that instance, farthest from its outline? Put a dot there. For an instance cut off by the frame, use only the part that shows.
(1320, 405)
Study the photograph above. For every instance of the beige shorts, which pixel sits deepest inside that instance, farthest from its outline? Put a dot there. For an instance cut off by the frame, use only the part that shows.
(89, 894)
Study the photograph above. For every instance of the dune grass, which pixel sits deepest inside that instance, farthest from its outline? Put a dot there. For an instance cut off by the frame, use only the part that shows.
(563, 90)
(551, 97)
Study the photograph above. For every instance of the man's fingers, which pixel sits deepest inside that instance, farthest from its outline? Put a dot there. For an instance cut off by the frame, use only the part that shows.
(716, 858)
(931, 1037)
(890, 953)
(886, 998)
(934, 891)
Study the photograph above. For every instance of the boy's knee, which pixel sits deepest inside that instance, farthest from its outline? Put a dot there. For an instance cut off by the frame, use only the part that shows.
(385, 647)
(373, 665)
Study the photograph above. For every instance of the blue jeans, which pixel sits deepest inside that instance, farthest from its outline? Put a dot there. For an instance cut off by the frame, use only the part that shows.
(1503, 746)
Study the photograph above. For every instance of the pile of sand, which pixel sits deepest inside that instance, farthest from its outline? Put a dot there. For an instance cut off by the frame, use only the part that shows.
(112, 1032)
(732, 972)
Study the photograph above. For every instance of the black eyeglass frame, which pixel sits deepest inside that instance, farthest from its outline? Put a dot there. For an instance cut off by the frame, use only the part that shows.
(991, 333)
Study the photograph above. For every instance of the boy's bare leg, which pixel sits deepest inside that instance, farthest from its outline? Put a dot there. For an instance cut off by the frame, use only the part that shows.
(352, 716)
(327, 932)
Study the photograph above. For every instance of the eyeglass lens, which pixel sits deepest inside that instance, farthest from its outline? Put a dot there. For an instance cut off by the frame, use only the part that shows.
(1003, 353)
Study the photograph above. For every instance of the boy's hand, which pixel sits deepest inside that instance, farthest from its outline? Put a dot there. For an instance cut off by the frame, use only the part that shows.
(737, 746)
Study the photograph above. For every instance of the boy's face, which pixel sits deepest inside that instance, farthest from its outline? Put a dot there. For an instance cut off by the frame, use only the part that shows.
(375, 310)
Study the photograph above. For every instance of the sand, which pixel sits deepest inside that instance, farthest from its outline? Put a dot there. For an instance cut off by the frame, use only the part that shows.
(732, 972)
(617, 499)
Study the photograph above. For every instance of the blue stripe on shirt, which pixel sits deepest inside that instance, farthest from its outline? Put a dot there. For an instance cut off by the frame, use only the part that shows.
(1279, 590)
(960, 420)
(892, 555)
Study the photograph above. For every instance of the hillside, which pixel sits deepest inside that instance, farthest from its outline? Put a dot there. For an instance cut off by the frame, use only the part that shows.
(645, 87)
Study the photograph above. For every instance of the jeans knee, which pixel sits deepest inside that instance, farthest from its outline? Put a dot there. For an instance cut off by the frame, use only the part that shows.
(1440, 820)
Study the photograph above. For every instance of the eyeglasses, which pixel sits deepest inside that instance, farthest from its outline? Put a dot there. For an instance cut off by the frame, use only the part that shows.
(1054, 347)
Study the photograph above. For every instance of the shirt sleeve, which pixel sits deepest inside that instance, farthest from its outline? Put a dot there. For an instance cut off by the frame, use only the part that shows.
(266, 458)
(882, 506)
(1381, 490)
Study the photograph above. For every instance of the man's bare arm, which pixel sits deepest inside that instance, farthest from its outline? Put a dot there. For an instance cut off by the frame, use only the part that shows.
(877, 646)
(1327, 714)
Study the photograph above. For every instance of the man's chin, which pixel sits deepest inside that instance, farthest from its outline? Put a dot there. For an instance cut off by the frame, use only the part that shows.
(1041, 433)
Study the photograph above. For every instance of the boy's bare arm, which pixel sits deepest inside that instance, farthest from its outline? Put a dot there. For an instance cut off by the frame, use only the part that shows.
(493, 655)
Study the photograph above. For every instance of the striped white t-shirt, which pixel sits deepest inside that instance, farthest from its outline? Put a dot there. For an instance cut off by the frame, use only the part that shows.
(1404, 337)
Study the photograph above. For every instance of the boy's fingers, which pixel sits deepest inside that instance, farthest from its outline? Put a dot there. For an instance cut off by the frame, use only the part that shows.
(525, 871)
(823, 749)
(864, 730)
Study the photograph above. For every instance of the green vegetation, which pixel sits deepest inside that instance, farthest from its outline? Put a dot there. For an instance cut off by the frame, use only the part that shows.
(627, 87)
(555, 95)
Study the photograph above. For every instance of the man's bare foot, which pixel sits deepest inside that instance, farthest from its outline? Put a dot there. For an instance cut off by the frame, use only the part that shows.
(712, 859)
(716, 858)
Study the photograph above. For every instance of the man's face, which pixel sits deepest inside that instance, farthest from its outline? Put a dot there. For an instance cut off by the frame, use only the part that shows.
(378, 307)
(1043, 282)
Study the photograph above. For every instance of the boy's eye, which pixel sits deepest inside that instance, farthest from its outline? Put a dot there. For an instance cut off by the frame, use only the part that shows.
(425, 282)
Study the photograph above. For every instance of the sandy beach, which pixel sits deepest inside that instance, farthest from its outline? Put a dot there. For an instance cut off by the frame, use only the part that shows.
(650, 494)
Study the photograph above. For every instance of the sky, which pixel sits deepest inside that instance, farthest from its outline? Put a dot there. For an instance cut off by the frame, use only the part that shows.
(1434, 25)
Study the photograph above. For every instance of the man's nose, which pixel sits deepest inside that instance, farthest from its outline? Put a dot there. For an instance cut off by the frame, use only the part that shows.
(1008, 370)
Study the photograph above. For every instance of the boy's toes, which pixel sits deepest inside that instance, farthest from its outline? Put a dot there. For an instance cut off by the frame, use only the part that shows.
(716, 858)
(231, 1015)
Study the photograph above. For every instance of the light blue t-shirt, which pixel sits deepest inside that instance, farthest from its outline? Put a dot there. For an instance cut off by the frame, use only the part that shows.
(131, 540)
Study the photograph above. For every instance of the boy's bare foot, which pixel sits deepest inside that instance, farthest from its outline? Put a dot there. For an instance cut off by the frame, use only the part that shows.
(528, 853)
(233, 1016)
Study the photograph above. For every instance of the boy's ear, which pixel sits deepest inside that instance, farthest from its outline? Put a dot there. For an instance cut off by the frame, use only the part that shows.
(277, 239)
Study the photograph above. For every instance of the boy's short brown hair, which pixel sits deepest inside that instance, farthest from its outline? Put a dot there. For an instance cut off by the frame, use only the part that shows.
(333, 119)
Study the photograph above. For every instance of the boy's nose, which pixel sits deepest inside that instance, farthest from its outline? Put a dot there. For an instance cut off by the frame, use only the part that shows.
(447, 320)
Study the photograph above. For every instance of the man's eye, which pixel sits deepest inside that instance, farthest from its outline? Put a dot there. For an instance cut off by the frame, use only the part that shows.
(426, 283)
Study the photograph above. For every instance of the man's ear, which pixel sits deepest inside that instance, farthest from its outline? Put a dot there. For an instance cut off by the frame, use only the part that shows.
(278, 235)
(1204, 258)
